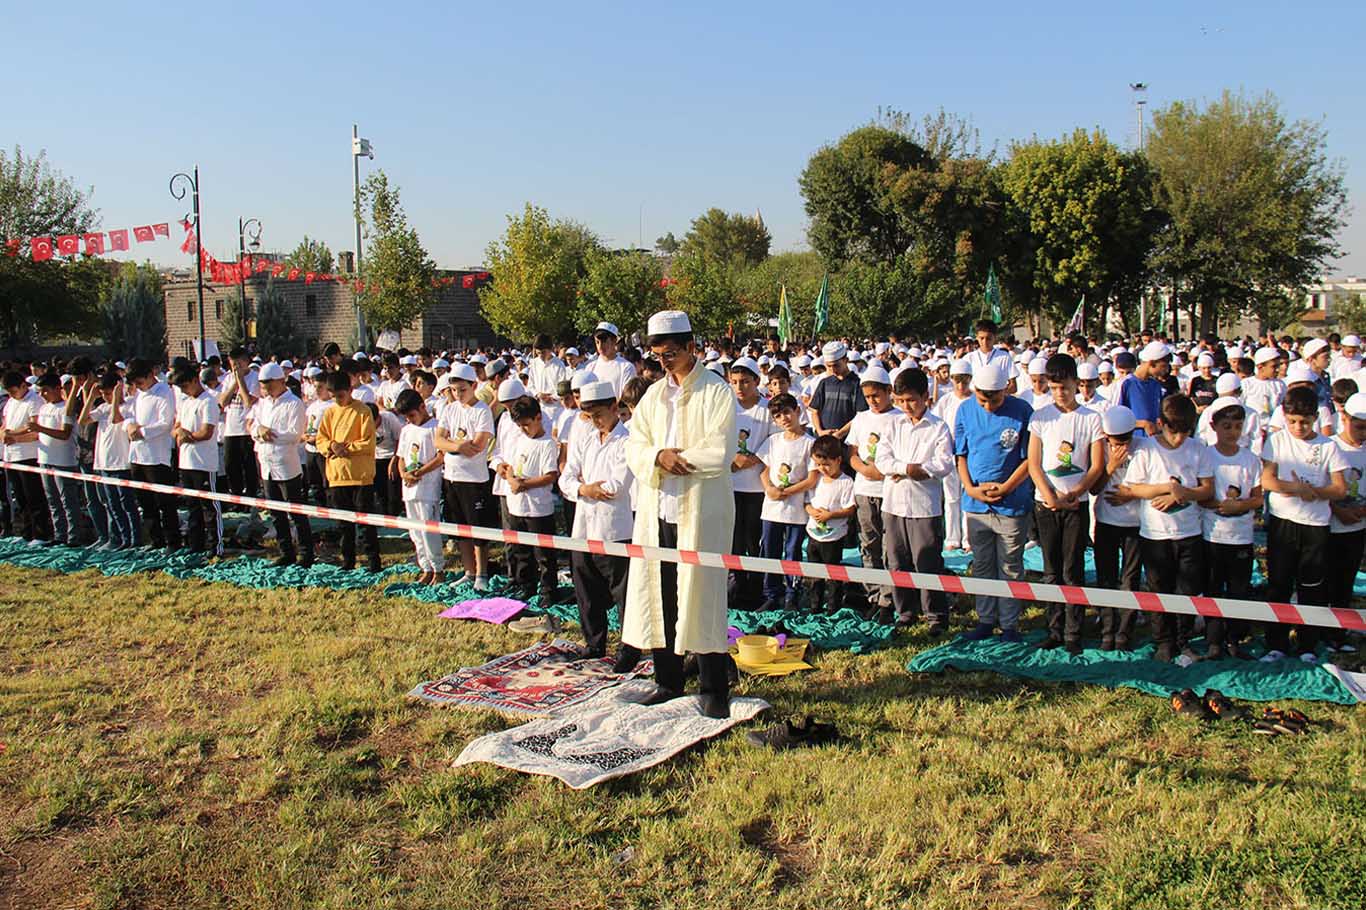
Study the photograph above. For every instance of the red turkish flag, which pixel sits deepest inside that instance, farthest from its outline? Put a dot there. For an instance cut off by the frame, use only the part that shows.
(189, 245)
(309, 276)
(143, 234)
(360, 286)
(94, 244)
(293, 275)
(12, 247)
(467, 281)
(163, 229)
(68, 244)
(483, 276)
(263, 265)
(118, 240)
(276, 270)
(41, 248)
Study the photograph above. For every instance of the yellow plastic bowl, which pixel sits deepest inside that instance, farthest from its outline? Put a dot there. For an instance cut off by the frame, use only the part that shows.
(757, 649)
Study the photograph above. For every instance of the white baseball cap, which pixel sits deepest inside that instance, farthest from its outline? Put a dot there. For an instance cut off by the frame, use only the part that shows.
(875, 373)
(990, 378)
(271, 371)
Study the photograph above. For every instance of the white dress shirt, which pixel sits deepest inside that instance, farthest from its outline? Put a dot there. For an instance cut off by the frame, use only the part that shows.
(544, 375)
(618, 371)
(593, 459)
(925, 442)
(154, 415)
(287, 418)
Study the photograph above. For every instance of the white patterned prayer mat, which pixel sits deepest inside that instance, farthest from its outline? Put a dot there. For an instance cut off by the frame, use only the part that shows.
(606, 739)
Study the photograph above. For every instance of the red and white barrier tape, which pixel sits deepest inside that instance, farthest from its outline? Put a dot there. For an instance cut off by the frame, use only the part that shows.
(1211, 607)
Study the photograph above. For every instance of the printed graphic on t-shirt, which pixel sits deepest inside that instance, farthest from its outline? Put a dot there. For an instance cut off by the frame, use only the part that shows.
(461, 435)
(744, 442)
(872, 447)
(414, 459)
(784, 475)
(1182, 506)
(1065, 467)
(1010, 437)
(1353, 476)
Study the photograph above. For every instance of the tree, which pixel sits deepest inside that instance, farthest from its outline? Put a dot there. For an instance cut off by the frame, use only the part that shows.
(398, 273)
(622, 288)
(879, 298)
(311, 256)
(668, 244)
(233, 321)
(275, 332)
(707, 290)
(537, 265)
(1254, 204)
(135, 315)
(727, 237)
(758, 290)
(1350, 314)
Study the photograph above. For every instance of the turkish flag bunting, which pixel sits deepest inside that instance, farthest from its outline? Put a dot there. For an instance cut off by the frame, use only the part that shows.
(94, 244)
(118, 240)
(68, 244)
(188, 245)
(143, 234)
(309, 276)
(41, 248)
(293, 275)
(12, 247)
(263, 265)
(467, 281)
(482, 276)
(276, 270)
(163, 229)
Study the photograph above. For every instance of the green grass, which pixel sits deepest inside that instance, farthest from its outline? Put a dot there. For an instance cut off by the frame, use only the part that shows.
(183, 744)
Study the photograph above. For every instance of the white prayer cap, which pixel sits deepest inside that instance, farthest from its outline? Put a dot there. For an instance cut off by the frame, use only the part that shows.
(669, 322)
(495, 366)
(296, 374)
(1038, 366)
(310, 372)
(833, 351)
(408, 360)
(717, 367)
(1351, 341)
(120, 364)
(64, 378)
(1227, 383)
(1234, 353)
(462, 371)
(360, 355)
(1312, 347)
(1299, 371)
(596, 391)
(1356, 405)
(746, 363)
(882, 347)
(961, 367)
(287, 364)
(571, 352)
(935, 363)
(1024, 356)
(254, 366)
(855, 357)
(763, 361)
(990, 378)
(1154, 350)
(609, 329)
(511, 390)
(479, 358)
(1087, 370)
(581, 379)
(441, 363)
(1117, 420)
(1224, 401)
(875, 373)
(800, 361)
(271, 371)
(916, 352)
(712, 355)
(1105, 367)
(1266, 354)
(1204, 360)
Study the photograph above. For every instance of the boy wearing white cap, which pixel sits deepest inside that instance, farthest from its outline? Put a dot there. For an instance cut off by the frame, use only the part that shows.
(838, 398)
(986, 351)
(1347, 531)
(419, 463)
(1143, 392)
(196, 423)
(463, 432)
(530, 467)
(1038, 395)
(867, 435)
(1264, 392)
(754, 425)
(1116, 535)
(315, 464)
(1346, 360)
(1317, 354)
(946, 409)
(1201, 388)
(609, 366)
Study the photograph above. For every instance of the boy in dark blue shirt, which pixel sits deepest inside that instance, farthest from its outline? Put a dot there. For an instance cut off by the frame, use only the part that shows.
(1143, 392)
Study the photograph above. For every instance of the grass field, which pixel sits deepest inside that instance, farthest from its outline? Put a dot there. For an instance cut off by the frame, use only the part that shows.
(183, 744)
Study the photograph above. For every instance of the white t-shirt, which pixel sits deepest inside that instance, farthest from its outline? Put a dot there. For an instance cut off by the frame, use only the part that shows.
(533, 458)
(1252, 438)
(154, 415)
(234, 414)
(753, 426)
(193, 415)
(1065, 439)
(59, 453)
(1325, 424)
(417, 446)
(788, 462)
(866, 434)
(833, 495)
(314, 417)
(1355, 456)
(366, 393)
(463, 422)
(17, 414)
(1263, 395)
(1235, 476)
(111, 442)
(388, 391)
(1311, 460)
(1126, 515)
(1155, 463)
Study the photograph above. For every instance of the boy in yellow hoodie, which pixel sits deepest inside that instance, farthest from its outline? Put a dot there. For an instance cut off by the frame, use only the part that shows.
(346, 440)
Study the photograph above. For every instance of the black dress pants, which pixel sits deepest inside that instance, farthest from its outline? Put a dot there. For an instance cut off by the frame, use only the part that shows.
(1296, 563)
(1230, 575)
(240, 465)
(30, 503)
(159, 515)
(1118, 545)
(744, 589)
(599, 582)
(206, 520)
(1174, 567)
(291, 490)
(1062, 540)
(355, 498)
(532, 566)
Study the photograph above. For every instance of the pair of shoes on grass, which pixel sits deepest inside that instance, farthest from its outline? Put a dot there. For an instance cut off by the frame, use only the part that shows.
(1282, 721)
(795, 733)
(1214, 705)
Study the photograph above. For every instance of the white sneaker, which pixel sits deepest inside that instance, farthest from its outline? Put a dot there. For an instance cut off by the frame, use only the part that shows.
(1270, 657)
(1309, 657)
(1184, 660)
(481, 584)
(1347, 648)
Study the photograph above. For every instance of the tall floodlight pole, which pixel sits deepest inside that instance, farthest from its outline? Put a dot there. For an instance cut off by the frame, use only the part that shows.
(1140, 90)
(178, 188)
(359, 147)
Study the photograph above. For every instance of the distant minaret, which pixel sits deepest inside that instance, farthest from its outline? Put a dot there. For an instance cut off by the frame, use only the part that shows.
(759, 219)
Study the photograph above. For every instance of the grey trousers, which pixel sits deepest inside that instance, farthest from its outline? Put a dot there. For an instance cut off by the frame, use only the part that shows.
(871, 547)
(998, 543)
(917, 545)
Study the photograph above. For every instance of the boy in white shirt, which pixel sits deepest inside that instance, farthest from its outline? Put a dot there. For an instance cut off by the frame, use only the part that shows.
(1226, 519)
(867, 433)
(1117, 523)
(1065, 459)
(1347, 532)
(419, 463)
(1304, 472)
(530, 469)
(28, 502)
(786, 478)
(753, 426)
(196, 425)
(463, 432)
(914, 460)
(1170, 474)
(104, 406)
(946, 409)
(316, 462)
(57, 449)
(829, 509)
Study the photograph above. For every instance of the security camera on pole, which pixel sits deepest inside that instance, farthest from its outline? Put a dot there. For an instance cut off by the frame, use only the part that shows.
(359, 147)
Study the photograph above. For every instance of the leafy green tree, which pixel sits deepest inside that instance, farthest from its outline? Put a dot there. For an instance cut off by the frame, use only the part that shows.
(668, 244)
(727, 237)
(1350, 314)
(622, 288)
(275, 332)
(880, 298)
(538, 265)
(397, 271)
(758, 291)
(1254, 204)
(234, 318)
(135, 315)
(708, 291)
(311, 256)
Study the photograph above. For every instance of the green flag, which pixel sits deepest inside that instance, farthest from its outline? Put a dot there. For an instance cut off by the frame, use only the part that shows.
(822, 308)
(784, 316)
(993, 294)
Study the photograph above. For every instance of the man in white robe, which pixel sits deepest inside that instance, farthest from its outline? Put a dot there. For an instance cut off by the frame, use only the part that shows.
(682, 439)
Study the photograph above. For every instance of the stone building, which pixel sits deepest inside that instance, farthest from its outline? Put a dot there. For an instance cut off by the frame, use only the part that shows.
(322, 311)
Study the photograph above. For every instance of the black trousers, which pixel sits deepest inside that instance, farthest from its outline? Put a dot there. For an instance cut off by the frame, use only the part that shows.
(830, 552)
(1344, 559)
(316, 471)
(291, 490)
(356, 498)
(6, 516)
(1296, 563)
(388, 490)
(599, 582)
(569, 506)
(1174, 567)
(1115, 543)
(532, 566)
(1062, 540)
(712, 669)
(743, 589)
(240, 465)
(1230, 575)
(30, 502)
(206, 519)
(159, 514)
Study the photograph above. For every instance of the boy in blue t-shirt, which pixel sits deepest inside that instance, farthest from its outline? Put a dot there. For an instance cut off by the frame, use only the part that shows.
(991, 442)
(1143, 392)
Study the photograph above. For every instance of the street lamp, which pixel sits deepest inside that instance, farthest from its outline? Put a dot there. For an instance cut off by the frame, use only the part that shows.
(249, 228)
(1140, 90)
(180, 183)
(359, 147)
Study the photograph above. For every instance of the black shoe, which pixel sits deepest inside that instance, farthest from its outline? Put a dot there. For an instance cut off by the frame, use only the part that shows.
(1073, 647)
(717, 706)
(374, 565)
(347, 565)
(627, 658)
(795, 733)
(884, 617)
(690, 670)
(1107, 643)
(937, 629)
(306, 561)
(1122, 644)
(770, 605)
(284, 561)
(1051, 642)
(661, 695)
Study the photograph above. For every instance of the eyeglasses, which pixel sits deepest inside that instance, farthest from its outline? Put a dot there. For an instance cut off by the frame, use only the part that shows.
(667, 354)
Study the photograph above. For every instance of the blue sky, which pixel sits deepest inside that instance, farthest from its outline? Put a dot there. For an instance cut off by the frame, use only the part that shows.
(610, 114)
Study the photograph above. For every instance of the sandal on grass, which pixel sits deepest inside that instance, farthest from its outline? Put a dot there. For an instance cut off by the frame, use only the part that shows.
(1265, 728)
(1186, 704)
(1289, 722)
(1219, 705)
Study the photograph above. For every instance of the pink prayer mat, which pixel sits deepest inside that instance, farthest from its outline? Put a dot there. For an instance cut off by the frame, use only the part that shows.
(489, 609)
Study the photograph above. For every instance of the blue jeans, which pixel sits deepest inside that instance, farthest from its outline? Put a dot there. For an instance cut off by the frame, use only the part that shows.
(779, 540)
(64, 503)
(125, 522)
(94, 506)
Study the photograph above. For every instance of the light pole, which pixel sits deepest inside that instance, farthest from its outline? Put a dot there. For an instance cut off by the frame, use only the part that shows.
(359, 147)
(249, 228)
(1140, 90)
(178, 186)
